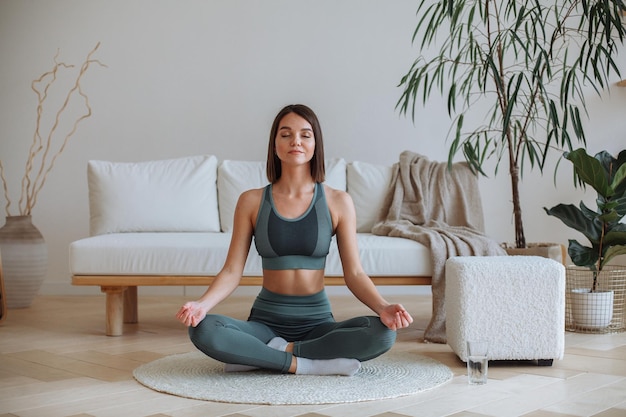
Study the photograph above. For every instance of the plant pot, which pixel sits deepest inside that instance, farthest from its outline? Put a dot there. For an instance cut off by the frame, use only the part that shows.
(553, 251)
(592, 310)
(24, 260)
(610, 287)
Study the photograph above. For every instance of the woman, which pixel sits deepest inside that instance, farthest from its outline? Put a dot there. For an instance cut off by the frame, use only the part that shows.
(291, 327)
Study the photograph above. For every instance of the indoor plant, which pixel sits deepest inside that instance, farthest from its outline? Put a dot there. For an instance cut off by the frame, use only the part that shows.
(528, 61)
(602, 226)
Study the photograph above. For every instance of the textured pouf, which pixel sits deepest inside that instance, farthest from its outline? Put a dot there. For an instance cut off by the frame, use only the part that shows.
(516, 303)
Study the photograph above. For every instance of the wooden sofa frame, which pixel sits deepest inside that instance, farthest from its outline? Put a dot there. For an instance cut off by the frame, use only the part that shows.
(121, 290)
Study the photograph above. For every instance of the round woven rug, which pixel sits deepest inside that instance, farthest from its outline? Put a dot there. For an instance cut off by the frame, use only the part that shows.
(194, 375)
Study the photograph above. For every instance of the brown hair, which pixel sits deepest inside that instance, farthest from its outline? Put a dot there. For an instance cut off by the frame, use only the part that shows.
(273, 167)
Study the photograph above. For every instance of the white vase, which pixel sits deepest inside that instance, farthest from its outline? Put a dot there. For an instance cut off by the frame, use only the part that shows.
(24, 260)
(592, 310)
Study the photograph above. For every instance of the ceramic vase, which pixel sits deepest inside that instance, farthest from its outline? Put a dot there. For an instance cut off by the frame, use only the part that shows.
(24, 260)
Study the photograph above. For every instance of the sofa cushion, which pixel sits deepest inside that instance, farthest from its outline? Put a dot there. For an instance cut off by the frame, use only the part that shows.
(204, 254)
(173, 195)
(368, 185)
(235, 177)
(385, 256)
(336, 173)
(154, 254)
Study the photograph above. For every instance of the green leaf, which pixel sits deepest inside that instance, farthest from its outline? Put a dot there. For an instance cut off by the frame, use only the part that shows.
(576, 219)
(620, 206)
(582, 255)
(609, 216)
(590, 171)
(619, 178)
(612, 252)
(616, 236)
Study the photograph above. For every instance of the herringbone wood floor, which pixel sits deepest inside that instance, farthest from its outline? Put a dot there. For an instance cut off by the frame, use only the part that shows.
(56, 361)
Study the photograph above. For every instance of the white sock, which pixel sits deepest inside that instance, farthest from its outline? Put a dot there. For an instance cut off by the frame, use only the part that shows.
(277, 343)
(339, 366)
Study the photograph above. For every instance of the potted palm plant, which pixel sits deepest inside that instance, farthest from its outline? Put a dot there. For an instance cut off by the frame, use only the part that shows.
(529, 61)
(592, 307)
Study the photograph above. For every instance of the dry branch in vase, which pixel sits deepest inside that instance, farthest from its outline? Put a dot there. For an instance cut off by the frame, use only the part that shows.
(48, 146)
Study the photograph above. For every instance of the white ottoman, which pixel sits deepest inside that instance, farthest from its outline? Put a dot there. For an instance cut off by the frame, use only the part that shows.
(517, 303)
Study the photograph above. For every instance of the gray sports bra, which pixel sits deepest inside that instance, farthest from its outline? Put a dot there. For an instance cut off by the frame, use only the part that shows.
(300, 243)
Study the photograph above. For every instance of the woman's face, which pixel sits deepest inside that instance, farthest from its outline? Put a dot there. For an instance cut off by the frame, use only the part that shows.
(295, 142)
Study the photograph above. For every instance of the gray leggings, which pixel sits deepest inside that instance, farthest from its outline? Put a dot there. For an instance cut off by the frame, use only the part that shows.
(307, 321)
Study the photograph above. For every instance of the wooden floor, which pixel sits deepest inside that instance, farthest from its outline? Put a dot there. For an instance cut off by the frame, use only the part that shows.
(56, 361)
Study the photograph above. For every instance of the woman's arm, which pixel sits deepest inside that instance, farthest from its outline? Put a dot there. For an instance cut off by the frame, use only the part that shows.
(343, 213)
(227, 280)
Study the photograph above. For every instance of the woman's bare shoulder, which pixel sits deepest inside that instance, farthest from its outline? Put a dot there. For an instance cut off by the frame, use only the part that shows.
(252, 193)
(337, 198)
(248, 205)
(334, 193)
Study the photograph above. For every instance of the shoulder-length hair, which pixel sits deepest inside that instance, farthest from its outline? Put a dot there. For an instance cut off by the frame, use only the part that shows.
(273, 167)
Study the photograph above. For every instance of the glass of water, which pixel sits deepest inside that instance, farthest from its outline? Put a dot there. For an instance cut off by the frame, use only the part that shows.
(477, 362)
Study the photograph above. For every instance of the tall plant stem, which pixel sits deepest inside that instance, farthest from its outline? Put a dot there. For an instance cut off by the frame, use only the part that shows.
(595, 281)
(520, 239)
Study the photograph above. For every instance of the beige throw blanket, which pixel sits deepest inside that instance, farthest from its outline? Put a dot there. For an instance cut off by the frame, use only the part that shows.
(440, 208)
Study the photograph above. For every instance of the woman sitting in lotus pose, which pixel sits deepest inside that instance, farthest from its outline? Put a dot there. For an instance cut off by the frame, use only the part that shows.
(291, 327)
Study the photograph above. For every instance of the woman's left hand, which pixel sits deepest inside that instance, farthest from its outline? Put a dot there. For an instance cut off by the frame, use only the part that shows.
(395, 317)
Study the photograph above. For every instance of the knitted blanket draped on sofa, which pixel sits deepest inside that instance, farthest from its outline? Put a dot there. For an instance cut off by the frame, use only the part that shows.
(440, 207)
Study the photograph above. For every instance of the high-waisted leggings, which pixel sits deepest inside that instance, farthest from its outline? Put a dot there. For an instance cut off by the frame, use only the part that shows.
(307, 321)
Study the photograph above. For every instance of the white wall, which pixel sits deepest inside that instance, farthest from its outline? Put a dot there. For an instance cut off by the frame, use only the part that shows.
(196, 77)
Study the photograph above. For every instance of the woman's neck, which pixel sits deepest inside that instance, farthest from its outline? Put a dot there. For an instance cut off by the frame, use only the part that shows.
(295, 180)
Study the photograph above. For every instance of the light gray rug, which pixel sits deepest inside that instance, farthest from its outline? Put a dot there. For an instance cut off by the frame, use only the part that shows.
(194, 375)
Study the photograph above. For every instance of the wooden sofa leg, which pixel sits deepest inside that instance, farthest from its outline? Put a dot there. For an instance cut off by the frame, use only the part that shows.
(130, 305)
(114, 310)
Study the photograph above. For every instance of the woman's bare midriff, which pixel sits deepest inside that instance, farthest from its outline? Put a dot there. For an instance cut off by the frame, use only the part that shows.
(294, 281)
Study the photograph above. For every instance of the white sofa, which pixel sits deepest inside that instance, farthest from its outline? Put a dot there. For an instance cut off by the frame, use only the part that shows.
(168, 222)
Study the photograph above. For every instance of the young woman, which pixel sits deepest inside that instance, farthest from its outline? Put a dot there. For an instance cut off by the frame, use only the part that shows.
(291, 327)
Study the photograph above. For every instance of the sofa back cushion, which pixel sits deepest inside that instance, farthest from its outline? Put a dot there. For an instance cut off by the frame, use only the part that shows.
(368, 185)
(173, 195)
(235, 177)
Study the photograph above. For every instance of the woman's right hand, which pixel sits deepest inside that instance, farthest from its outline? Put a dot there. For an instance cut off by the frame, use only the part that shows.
(191, 313)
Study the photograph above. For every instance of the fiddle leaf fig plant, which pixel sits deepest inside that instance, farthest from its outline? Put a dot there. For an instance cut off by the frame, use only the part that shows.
(528, 62)
(602, 226)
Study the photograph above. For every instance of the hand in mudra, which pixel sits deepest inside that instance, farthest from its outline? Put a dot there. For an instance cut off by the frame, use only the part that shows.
(191, 313)
(396, 317)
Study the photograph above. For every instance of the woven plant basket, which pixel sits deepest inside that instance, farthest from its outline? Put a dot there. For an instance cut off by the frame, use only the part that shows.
(611, 279)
